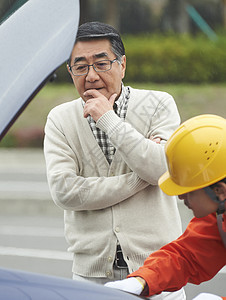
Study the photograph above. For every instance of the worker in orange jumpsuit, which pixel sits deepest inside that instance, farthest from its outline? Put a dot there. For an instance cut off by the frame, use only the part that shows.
(196, 157)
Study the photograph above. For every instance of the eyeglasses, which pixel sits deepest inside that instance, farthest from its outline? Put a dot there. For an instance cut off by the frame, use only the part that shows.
(99, 66)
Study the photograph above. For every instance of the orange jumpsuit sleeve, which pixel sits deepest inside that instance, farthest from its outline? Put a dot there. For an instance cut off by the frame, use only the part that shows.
(196, 256)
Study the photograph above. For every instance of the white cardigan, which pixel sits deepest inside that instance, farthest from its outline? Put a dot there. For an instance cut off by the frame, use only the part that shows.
(104, 203)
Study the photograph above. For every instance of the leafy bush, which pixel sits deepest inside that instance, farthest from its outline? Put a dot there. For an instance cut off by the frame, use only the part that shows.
(175, 59)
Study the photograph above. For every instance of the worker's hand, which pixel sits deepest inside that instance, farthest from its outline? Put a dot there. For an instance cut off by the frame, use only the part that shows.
(157, 140)
(97, 104)
(131, 285)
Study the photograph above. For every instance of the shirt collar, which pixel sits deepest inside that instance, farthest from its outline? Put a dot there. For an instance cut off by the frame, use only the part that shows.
(124, 95)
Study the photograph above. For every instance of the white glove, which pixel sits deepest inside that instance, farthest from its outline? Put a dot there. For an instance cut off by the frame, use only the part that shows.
(206, 296)
(131, 285)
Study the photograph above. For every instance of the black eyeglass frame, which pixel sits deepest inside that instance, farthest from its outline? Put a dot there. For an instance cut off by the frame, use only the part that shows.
(93, 65)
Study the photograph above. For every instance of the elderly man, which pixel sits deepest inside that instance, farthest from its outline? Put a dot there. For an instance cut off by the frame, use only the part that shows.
(104, 155)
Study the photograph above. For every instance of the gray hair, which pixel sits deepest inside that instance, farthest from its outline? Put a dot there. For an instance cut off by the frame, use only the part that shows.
(98, 30)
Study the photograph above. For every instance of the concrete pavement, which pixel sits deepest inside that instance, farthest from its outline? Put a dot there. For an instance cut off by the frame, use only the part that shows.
(23, 183)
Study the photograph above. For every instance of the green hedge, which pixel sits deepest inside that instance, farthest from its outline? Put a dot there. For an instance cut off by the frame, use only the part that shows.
(175, 59)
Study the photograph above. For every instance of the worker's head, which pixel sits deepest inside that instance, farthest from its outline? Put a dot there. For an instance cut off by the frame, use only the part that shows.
(196, 157)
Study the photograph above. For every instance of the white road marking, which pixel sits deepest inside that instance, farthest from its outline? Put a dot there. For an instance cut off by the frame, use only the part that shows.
(31, 231)
(47, 254)
(24, 186)
(36, 253)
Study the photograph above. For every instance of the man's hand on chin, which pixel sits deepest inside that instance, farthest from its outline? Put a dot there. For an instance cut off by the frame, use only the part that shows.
(98, 104)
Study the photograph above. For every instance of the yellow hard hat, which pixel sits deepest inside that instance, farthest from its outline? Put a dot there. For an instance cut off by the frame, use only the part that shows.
(196, 155)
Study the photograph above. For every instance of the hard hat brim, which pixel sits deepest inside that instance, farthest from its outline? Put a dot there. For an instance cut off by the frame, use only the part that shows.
(169, 187)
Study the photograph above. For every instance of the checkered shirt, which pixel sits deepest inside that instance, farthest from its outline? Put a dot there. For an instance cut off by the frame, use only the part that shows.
(101, 136)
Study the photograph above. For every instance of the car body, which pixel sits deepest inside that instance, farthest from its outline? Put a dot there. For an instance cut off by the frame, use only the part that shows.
(21, 285)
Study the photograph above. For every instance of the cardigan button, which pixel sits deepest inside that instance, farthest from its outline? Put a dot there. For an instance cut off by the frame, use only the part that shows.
(108, 273)
(110, 259)
(117, 229)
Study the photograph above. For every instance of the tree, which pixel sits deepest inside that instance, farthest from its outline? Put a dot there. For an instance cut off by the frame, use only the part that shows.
(175, 17)
(112, 13)
(224, 12)
(84, 11)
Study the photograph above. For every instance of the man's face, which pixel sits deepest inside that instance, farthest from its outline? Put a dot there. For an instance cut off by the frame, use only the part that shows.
(107, 83)
(201, 204)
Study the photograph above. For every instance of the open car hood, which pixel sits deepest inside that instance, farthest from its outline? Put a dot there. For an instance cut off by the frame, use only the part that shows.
(35, 40)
